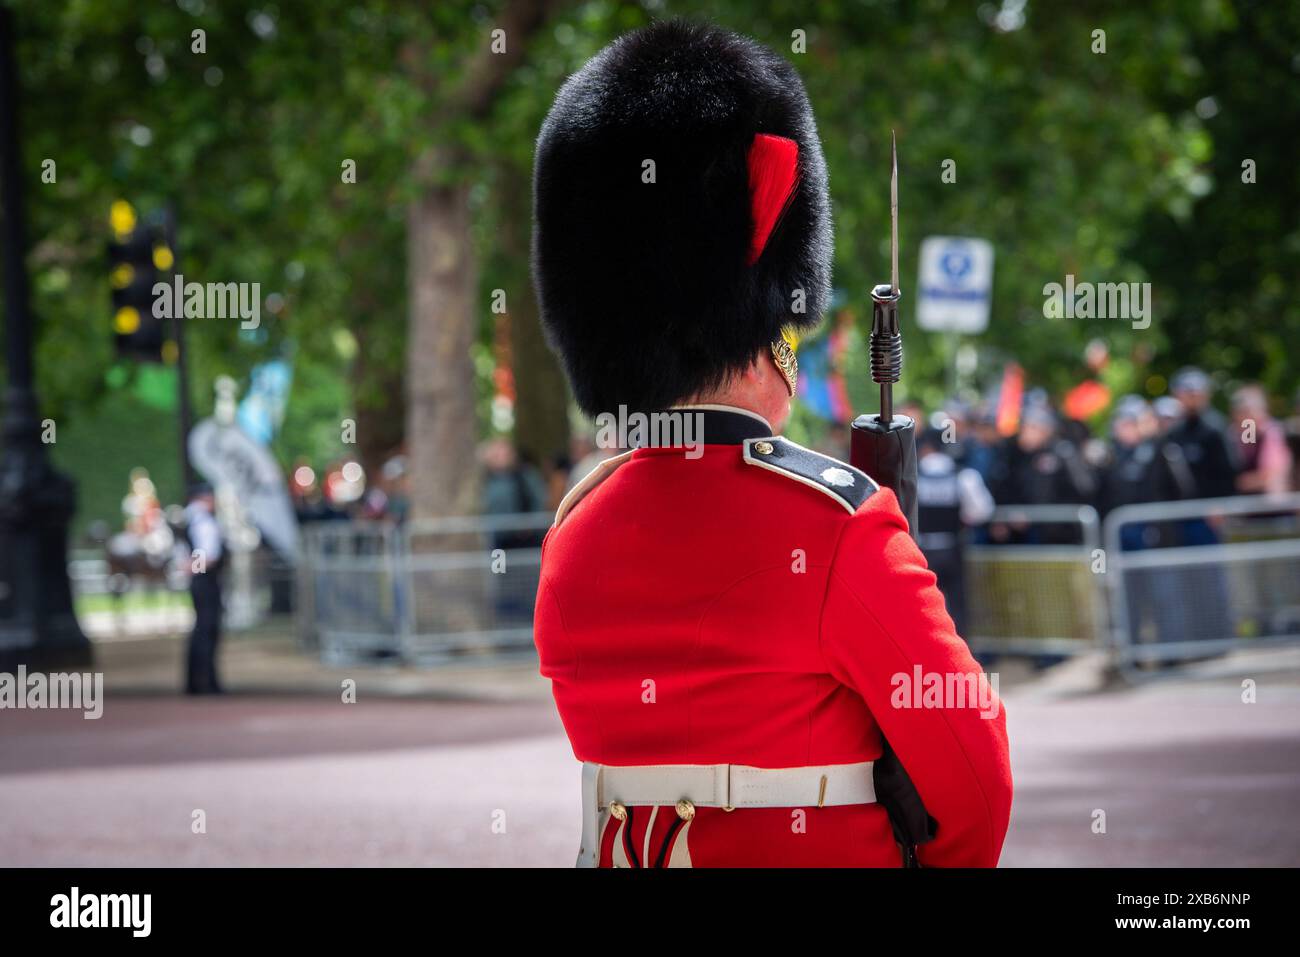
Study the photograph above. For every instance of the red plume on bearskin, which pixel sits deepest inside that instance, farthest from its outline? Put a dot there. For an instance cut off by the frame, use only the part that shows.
(773, 172)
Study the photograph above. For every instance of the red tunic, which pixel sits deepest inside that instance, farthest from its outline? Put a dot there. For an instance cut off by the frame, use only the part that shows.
(707, 611)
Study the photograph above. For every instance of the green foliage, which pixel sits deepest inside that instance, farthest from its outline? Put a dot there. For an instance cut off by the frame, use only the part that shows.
(246, 141)
(1228, 263)
(102, 444)
(1122, 166)
(1060, 153)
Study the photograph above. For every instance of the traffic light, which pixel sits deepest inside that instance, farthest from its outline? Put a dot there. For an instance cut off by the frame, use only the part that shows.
(138, 257)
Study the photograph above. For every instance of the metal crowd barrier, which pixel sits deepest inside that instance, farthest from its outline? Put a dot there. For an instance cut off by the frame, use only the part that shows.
(1163, 582)
(1037, 593)
(429, 592)
(1195, 579)
(460, 589)
(349, 590)
(473, 582)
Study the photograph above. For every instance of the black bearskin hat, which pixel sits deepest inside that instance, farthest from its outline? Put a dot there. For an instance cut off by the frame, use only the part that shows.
(681, 215)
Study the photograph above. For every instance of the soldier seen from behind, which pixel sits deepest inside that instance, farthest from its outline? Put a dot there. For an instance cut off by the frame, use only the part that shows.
(728, 627)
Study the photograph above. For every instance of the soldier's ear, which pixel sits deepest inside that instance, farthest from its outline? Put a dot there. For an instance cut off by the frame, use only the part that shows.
(757, 369)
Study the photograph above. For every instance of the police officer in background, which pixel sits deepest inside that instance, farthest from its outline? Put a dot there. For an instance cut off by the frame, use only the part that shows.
(1202, 591)
(206, 563)
(1141, 466)
(949, 500)
(1168, 412)
(725, 622)
(1202, 436)
(1038, 467)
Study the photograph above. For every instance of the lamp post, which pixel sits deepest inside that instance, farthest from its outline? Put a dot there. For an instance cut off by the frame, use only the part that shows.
(37, 624)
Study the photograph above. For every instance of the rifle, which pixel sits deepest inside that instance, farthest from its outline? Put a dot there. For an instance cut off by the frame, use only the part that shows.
(884, 446)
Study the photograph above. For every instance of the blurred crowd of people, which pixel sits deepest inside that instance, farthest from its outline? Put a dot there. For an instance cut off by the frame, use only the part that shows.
(972, 459)
(344, 491)
(1176, 447)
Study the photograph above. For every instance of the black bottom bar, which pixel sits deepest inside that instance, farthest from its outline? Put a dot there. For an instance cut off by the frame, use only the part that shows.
(989, 908)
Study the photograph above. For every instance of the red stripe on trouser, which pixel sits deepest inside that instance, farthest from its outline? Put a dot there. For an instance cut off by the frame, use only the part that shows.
(630, 835)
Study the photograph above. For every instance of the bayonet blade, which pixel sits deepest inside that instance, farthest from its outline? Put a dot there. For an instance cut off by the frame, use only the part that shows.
(893, 213)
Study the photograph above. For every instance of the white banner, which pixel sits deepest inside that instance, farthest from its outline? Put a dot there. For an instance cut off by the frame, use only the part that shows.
(228, 458)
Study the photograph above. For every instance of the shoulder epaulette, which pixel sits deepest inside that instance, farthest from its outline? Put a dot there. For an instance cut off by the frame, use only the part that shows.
(593, 478)
(841, 481)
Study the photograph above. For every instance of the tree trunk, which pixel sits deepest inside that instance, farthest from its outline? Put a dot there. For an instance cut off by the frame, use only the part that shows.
(441, 427)
(378, 405)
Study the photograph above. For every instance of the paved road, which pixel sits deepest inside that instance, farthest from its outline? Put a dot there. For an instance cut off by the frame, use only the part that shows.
(1186, 774)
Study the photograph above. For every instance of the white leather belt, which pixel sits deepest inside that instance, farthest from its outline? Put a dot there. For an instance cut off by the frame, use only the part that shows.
(728, 786)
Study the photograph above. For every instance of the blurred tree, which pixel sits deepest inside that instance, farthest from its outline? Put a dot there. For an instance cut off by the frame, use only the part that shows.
(1115, 166)
(1227, 256)
(442, 273)
(328, 152)
(541, 394)
(577, 31)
